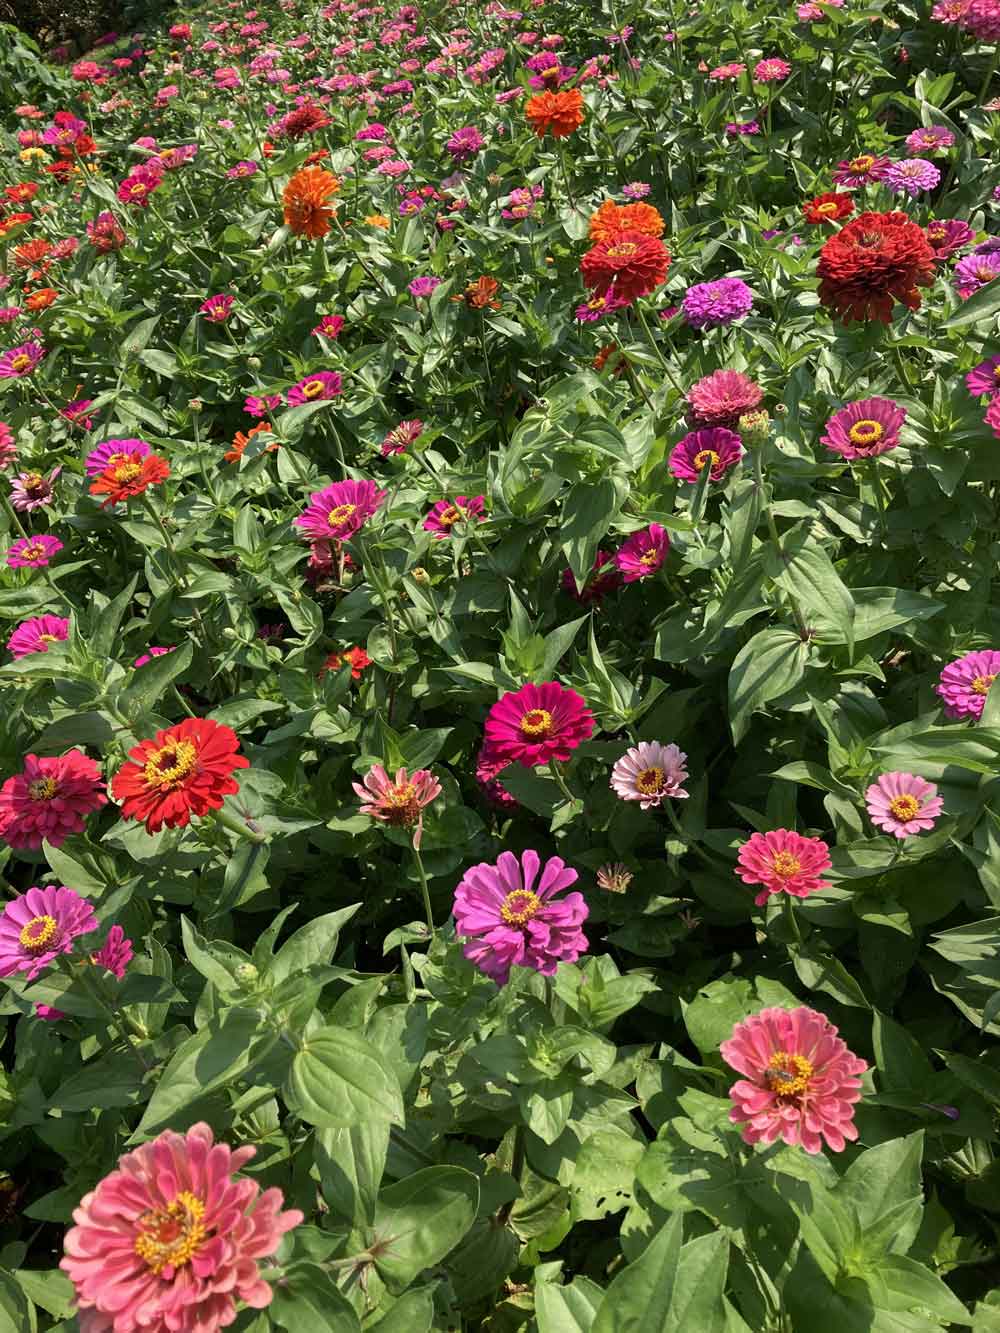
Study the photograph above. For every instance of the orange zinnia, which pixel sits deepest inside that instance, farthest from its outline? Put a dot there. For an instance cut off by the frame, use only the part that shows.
(612, 217)
(240, 442)
(558, 114)
(480, 293)
(305, 201)
(42, 299)
(30, 253)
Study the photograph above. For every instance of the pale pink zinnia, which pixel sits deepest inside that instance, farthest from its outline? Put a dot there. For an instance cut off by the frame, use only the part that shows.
(783, 862)
(35, 635)
(538, 723)
(32, 490)
(401, 436)
(800, 1082)
(509, 917)
(865, 429)
(642, 554)
(171, 1240)
(339, 510)
(650, 773)
(902, 803)
(964, 684)
(399, 801)
(40, 926)
(50, 799)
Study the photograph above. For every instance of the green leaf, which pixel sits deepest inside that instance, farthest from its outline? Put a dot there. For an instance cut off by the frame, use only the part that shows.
(765, 668)
(106, 619)
(639, 1298)
(17, 1314)
(73, 873)
(980, 307)
(907, 1285)
(350, 1163)
(420, 1220)
(49, 1288)
(315, 942)
(804, 570)
(588, 508)
(113, 1079)
(338, 1079)
(307, 1300)
(902, 1064)
(884, 1191)
(412, 1313)
(569, 1309)
(152, 680)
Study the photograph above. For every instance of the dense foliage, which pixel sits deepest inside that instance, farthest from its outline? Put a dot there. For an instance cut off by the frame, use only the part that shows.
(499, 808)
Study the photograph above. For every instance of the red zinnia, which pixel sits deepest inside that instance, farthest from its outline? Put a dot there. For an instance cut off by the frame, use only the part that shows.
(829, 207)
(125, 480)
(629, 261)
(185, 770)
(537, 723)
(873, 261)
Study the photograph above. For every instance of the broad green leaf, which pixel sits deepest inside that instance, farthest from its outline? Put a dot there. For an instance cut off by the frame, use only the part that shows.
(338, 1079)
(765, 668)
(568, 1309)
(587, 511)
(412, 1313)
(980, 308)
(307, 1300)
(350, 1163)
(315, 942)
(420, 1220)
(805, 572)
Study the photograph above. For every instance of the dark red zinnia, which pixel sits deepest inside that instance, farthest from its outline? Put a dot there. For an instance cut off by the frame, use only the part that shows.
(185, 770)
(874, 261)
(629, 262)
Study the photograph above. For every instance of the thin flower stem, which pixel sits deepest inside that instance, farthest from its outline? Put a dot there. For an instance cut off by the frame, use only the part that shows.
(561, 781)
(425, 891)
(243, 828)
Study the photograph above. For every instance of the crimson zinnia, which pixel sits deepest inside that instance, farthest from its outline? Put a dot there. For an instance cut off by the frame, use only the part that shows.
(185, 770)
(630, 262)
(877, 259)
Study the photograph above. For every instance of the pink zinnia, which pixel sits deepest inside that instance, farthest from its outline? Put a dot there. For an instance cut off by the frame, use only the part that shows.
(800, 1082)
(984, 378)
(18, 361)
(33, 552)
(865, 429)
(720, 399)
(35, 635)
(445, 514)
(602, 579)
(398, 801)
(30, 490)
(783, 862)
(171, 1240)
(930, 140)
(256, 406)
(643, 553)
(650, 773)
(537, 723)
(339, 510)
(115, 953)
(901, 804)
(964, 684)
(8, 448)
(76, 413)
(948, 236)
(488, 765)
(318, 388)
(716, 448)
(39, 926)
(400, 437)
(154, 651)
(114, 453)
(329, 327)
(863, 170)
(992, 417)
(50, 799)
(509, 922)
(771, 70)
(216, 309)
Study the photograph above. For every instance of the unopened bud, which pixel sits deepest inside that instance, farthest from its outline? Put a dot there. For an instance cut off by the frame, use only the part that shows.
(780, 410)
(247, 975)
(754, 427)
(254, 362)
(419, 575)
(195, 405)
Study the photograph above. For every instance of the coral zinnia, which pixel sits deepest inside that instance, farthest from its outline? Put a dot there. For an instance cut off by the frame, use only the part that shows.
(123, 481)
(629, 261)
(720, 399)
(865, 429)
(800, 1082)
(172, 1238)
(339, 510)
(611, 218)
(964, 684)
(902, 803)
(509, 917)
(716, 448)
(783, 862)
(41, 925)
(537, 723)
(829, 207)
(558, 114)
(305, 199)
(877, 259)
(50, 799)
(185, 770)
(650, 773)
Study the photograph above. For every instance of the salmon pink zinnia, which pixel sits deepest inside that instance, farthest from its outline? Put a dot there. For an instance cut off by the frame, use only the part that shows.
(172, 1239)
(800, 1082)
(537, 723)
(50, 799)
(783, 862)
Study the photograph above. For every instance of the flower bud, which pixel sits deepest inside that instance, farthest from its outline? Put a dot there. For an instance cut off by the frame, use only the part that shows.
(754, 427)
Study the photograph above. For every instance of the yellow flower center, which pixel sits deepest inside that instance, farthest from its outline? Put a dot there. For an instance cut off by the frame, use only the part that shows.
(401, 805)
(167, 767)
(43, 789)
(996, 372)
(536, 723)
(137, 187)
(785, 864)
(49, 638)
(38, 934)
(450, 515)
(126, 472)
(623, 250)
(705, 458)
(649, 557)
(340, 515)
(981, 684)
(788, 1075)
(650, 781)
(21, 362)
(170, 1237)
(827, 208)
(520, 906)
(36, 551)
(865, 433)
(312, 389)
(33, 481)
(861, 164)
(905, 807)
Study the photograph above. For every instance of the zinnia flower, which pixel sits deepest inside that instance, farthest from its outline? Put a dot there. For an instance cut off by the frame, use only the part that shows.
(35, 635)
(305, 196)
(339, 510)
(105, 233)
(558, 114)
(401, 437)
(256, 406)
(356, 658)
(965, 683)
(172, 1239)
(39, 926)
(124, 481)
(480, 294)
(603, 578)
(933, 139)
(30, 490)
(50, 799)
(508, 922)
(982, 19)
(446, 514)
(398, 801)
(321, 387)
(8, 448)
(154, 652)
(114, 453)
(800, 1082)
(423, 286)
(984, 378)
(18, 361)
(829, 207)
(783, 862)
(650, 773)
(612, 218)
(975, 271)
(912, 176)
(76, 413)
(216, 309)
(771, 70)
(538, 723)
(948, 236)
(115, 953)
(185, 770)
(329, 327)
(33, 552)
(901, 804)
(631, 263)
(465, 143)
(643, 553)
(720, 399)
(715, 305)
(876, 259)
(716, 448)
(865, 429)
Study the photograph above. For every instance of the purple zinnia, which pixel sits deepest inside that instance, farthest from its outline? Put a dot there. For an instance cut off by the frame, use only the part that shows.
(975, 271)
(965, 683)
(984, 378)
(42, 924)
(636, 190)
(948, 236)
(465, 143)
(712, 305)
(912, 176)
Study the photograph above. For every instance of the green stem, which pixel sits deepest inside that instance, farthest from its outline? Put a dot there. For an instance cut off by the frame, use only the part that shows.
(425, 891)
(241, 827)
(991, 70)
(555, 771)
(792, 919)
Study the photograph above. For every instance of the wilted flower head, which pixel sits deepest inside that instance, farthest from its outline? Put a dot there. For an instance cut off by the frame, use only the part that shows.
(398, 440)
(398, 801)
(614, 878)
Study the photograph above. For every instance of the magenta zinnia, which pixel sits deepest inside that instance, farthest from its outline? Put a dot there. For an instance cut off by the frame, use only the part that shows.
(902, 803)
(865, 429)
(720, 399)
(35, 635)
(783, 862)
(50, 799)
(18, 361)
(965, 684)
(642, 554)
(509, 917)
(717, 448)
(38, 927)
(800, 1082)
(339, 510)
(984, 378)
(321, 387)
(445, 514)
(172, 1239)
(650, 773)
(537, 723)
